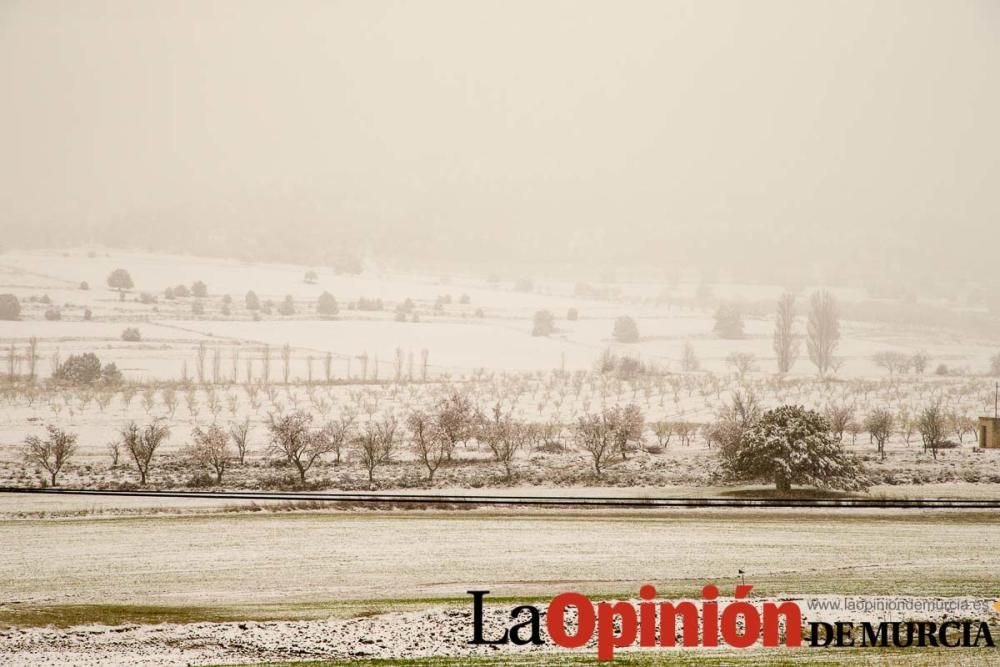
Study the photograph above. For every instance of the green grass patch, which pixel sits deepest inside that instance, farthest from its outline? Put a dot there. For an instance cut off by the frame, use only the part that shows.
(878, 581)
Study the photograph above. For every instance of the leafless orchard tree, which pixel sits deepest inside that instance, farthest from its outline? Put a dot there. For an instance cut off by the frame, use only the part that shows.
(286, 362)
(455, 417)
(689, 360)
(785, 343)
(685, 431)
(839, 415)
(854, 429)
(53, 452)
(894, 362)
(240, 433)
(216, 365)
(338, 432)
(430, 443)
(734, 421)
(148, 399)
(211, 449)
(961, 426)
(626, 425)
(55, 361)
(169, 398)
(142, 443)
(593, 435)
(31, 358)
(12, 363)
(823, 331)
(502, 435)
(663, 430)
(265, 365)
(114, 451)
(293, 439)
(932, 425)
(376, 445)
(743, 362)
(202, 352)
(880, 424)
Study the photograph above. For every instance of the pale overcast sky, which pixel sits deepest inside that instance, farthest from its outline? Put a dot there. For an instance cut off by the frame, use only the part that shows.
(658, 128)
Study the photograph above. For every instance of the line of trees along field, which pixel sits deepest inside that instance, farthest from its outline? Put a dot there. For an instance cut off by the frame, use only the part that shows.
(787, 445)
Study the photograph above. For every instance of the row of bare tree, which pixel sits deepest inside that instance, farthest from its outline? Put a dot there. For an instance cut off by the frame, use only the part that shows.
(435, 433)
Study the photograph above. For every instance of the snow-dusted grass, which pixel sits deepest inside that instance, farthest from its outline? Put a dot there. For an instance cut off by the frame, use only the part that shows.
(246, 558)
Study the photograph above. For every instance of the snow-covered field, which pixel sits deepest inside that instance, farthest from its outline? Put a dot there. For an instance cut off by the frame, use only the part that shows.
(458, 340)
(229, 559)
(207, 564)
(197, 369)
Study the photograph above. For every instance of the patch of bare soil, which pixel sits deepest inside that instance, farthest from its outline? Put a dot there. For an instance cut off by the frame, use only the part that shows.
(442, 631)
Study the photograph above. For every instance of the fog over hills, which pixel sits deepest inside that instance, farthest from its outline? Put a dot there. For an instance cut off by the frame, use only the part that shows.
(776, 140)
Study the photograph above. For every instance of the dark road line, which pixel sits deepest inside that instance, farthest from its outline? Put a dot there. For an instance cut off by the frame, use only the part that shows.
(533, 501)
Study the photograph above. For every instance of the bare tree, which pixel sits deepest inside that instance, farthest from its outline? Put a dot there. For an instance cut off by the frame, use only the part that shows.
(338, 433)
(932, 425)
(12, 363)
(377, 444)
(839, 417)
(240, 432)
(169, 397)
(142, 443)
(626, 427)
(785, 343)
(292, 439)
(961, 426)
(593, 434)
(880, 424)
(286, 362)
(114, 451)
(685, 431)
(202, 352)
(663, 430)
(823, 331)
(503, 436)
(455, 417)
(53, 452)
(211, 449)
(743, 362)
(265, 364)
(734, 421)
(907, 426)
(31, 357)
(689, 360)
(430, 444)
(854, 429)
(216, 365)
(894, 362)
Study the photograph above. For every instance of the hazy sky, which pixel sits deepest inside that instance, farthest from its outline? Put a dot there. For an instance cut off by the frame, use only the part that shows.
(621, 127)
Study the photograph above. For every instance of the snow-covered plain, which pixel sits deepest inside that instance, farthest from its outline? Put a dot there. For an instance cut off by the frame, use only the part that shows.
(192, 554)
(458, 340)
